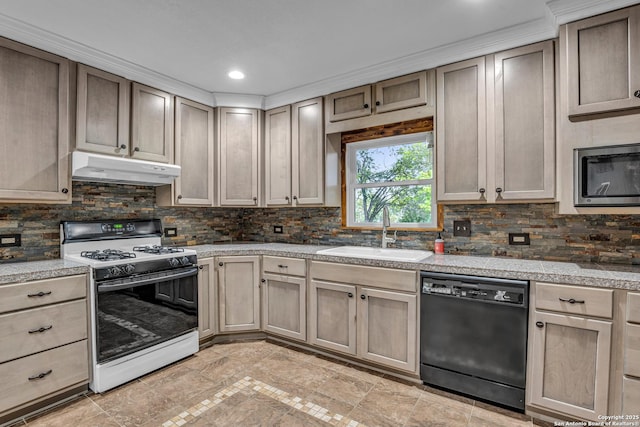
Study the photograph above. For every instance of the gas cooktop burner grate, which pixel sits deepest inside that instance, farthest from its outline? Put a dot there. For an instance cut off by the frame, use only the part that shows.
(107, 255)
(155, 249)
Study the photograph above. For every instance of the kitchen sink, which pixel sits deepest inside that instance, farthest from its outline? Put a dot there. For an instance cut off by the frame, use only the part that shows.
(389, 254)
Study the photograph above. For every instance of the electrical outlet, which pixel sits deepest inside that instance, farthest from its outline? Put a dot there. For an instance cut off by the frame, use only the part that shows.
(170, 232)
(519, 239)
(462, 228)
(278, 229)
(9, 240)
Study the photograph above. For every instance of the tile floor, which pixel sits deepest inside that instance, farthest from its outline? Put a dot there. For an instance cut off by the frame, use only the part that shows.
(260, 383)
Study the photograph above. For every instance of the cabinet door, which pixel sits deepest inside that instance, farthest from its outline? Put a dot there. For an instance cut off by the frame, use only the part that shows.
(569, 364)
(332, 316)
(284, 305)
(238, 157)
(277, 152)
(630, 396)
(206, 298)
(34, 125)
(461, 131)
(401, 92)
(387, 328)
(604, 62)
(525, 123)
(194, 153)
(307, 136)
(349, 104)
(239, 293)
(102, 121)
(151, 124)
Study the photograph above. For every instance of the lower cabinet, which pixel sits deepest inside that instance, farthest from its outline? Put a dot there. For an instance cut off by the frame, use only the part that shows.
(206, 298)
(569, 359)
(238, 293)
(379, 325)
(631, 379)
(284, 305)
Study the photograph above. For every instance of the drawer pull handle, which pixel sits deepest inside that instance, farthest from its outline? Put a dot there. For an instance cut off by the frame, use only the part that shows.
(571, 301)
(39, 294)
(282, 266)
(40, 329)
(40, 375)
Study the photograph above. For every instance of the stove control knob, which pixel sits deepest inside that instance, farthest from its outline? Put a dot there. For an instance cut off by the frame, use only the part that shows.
(174, 262)
(115, 271)
(185, 261)
(129, 268)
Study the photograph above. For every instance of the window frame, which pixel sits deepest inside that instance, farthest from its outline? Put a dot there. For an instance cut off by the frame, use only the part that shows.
(350, 185)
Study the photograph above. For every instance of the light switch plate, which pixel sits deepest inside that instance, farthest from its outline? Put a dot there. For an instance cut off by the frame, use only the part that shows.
(9, 240)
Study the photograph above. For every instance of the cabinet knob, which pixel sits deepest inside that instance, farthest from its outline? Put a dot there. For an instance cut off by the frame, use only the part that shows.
(286, 198)
(363, 296)
(255, 200)
(295, 197)
(350, 295)
(179, 196)
(136, 149)
(636, 94)
(64, 190)
(499, 190)
(263, 280)
(201, 267)
(540, 324)
(122, 147)
(482, 191)
(365, 106)
(377, 102)
(220, 264)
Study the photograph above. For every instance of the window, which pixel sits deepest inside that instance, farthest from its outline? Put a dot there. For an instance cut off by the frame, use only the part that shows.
(396, 172)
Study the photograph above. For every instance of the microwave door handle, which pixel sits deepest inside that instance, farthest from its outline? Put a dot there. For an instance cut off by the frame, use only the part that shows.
(145, 281)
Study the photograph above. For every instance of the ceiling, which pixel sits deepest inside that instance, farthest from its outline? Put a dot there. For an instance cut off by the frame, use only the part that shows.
(287, 48)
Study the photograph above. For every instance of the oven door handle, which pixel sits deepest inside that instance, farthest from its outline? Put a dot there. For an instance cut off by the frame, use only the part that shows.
(119, 286)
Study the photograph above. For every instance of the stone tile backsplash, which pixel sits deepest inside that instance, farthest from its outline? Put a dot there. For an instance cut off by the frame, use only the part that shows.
(578, 238)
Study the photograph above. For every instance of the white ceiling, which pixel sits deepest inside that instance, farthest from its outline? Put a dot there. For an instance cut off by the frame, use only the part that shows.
(286, 48)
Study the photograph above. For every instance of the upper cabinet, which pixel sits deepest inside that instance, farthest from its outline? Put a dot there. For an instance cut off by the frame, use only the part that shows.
(401, 92)
(102, 117)
(349, 104)
(194, 153)
(34, 125)
(294, 154)
(603, 62)
(151, 124)
(238, 165)
(496, 127)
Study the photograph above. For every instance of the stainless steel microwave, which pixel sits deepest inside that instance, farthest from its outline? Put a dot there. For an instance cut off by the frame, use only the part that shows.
(607, 176)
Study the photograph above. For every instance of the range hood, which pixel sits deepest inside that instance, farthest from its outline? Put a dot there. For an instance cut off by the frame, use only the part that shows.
(121, 170)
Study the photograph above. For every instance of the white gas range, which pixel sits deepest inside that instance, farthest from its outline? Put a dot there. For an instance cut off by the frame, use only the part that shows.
(143, 296)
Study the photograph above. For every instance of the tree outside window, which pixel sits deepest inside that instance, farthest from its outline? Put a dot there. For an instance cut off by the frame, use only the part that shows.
(396, 172)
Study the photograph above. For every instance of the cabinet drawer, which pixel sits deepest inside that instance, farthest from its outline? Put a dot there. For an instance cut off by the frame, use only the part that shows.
(575, 299)
(630, 396)
(31, 331)
(632, 350)
(68, 366)
(281, 265)
(32, 294)
(388, 278)
(633, 307)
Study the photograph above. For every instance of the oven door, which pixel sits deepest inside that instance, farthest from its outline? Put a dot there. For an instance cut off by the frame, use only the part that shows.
(133, 313)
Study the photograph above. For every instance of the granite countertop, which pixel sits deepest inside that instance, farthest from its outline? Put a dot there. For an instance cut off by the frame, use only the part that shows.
(37, 270)
(597, 275)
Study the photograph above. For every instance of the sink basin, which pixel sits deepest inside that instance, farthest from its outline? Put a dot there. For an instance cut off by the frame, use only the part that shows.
(388, 254)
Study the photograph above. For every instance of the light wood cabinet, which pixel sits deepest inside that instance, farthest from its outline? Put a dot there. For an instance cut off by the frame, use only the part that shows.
(631, 370)
(496, 127)
(350, 316)
(277, 152)
(34, 125)
(603, 62)
(194, 153)
(349, 104)
(401, 92)
(151, 124)
(102, 113)
(569, 362)
(284, 305)
(238, 293)
(206, 298)
(238, 155)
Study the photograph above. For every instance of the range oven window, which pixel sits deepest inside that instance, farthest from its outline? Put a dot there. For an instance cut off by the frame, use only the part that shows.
(131, 316)
(608, 176)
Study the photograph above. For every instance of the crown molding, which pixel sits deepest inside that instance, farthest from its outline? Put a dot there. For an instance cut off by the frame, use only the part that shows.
(519, 35)
(223, 99)
(28, 34)
(572, 10)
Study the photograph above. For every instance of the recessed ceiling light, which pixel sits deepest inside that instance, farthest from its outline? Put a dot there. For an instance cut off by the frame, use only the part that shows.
(236, 75)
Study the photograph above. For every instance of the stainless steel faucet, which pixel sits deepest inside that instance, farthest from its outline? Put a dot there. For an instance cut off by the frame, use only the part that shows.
(387, 223)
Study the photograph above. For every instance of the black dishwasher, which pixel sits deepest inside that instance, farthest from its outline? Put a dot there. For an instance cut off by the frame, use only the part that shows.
(473, 336)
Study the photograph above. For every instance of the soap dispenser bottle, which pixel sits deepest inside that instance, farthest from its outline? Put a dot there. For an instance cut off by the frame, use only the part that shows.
(438, 246)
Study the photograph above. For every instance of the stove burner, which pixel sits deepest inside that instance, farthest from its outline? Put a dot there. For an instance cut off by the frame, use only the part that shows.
(107, 255)
(156, 249)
